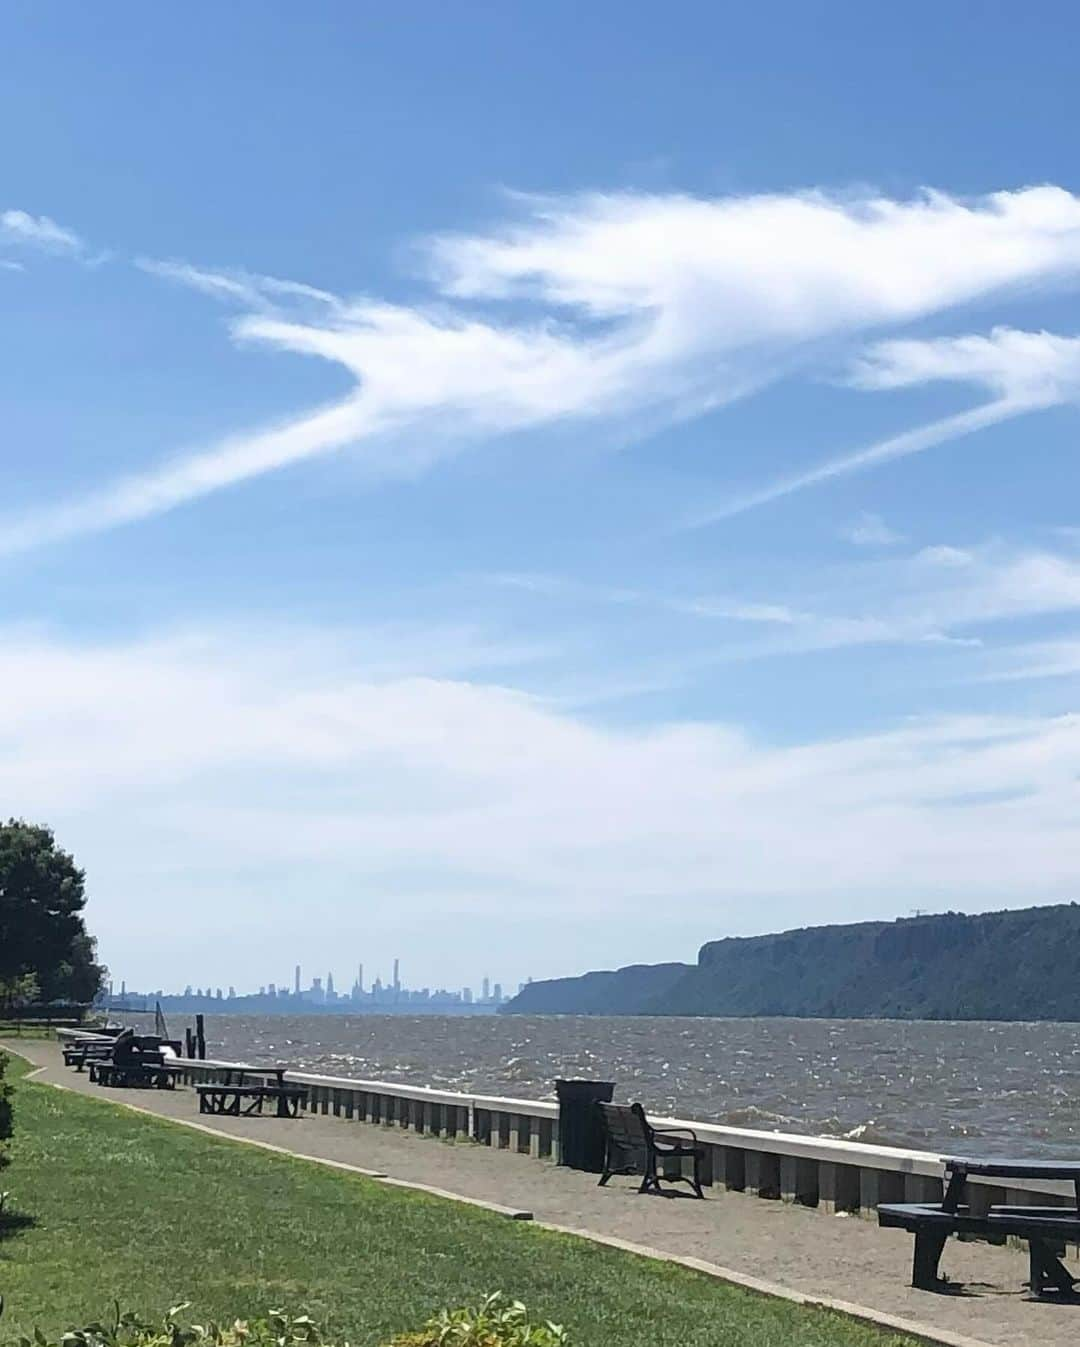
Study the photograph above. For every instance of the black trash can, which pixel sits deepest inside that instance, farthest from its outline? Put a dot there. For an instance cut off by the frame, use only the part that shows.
(581, 1127)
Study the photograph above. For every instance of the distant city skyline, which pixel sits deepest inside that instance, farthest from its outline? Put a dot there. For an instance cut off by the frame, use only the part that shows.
(322, 992)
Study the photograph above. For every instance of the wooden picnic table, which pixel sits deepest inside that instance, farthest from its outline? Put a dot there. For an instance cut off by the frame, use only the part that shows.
(133, 1072)
(1046, 1228)
(959, 1169)
(225, 1096)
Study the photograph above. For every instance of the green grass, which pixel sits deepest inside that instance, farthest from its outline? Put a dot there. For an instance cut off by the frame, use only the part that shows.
(121, 1207)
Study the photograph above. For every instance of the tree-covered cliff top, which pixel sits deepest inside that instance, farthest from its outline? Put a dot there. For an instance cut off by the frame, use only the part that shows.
(1015, 965)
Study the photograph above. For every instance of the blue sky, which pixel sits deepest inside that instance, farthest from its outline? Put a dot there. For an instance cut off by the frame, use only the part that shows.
(530, 488)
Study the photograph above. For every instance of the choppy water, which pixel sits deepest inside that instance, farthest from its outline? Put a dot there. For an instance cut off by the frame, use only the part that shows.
(995, 1088)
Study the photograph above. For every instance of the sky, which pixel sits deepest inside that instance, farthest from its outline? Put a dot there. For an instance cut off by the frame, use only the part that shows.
(534, 488)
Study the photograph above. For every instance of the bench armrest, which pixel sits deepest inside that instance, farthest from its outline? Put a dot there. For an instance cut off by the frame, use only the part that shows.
(675, 1132)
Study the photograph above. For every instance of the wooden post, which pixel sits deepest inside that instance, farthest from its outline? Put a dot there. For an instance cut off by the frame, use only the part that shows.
(189, 1042)
(200, 1038)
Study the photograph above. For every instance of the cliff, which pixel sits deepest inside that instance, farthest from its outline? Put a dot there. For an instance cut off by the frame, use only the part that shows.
(1021, 965)
(628, 991)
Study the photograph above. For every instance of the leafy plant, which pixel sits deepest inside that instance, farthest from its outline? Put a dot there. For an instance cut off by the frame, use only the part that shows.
(497, 1323)
(126, 1329)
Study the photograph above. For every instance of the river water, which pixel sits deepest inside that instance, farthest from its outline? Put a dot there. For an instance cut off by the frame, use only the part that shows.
(987, 1087)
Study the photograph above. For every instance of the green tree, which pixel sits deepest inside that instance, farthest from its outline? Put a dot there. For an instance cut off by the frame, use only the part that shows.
(22, 990)
(42, 934)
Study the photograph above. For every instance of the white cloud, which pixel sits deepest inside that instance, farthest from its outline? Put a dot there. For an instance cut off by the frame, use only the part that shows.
(870, 530)
(1026, 372)
(7, 265)
(38, 231)
(1036, 369)
(953, 591)
(1033, 660)
(950, 592)
(941, 595)
(222, 774)
(188, 477)
(242, 287)
(747, 269)
(942, 554)
(639, 308)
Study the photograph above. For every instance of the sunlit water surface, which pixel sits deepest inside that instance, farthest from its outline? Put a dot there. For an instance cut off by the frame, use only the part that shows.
(1000, 1087)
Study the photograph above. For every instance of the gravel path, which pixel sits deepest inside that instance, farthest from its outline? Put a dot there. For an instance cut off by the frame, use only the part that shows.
(840, 1257)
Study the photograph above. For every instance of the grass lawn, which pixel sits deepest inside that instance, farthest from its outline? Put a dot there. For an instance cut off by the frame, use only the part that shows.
(106, 1205)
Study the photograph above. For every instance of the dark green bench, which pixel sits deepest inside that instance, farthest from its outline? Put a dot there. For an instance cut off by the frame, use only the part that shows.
(633, 1146)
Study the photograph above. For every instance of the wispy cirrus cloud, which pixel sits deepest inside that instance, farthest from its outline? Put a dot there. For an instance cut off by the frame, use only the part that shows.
(636, 307)
(38, 231)
(870, 530)
(915, 441)
(186, 478)
(1025, 371)
(942, 595)
(243, 287)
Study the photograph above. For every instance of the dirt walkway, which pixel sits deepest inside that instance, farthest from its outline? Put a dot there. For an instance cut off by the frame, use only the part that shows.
(838, 1257)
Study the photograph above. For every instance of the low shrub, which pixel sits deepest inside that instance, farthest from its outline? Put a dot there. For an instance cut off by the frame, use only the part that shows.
(496, 1323)
(5, 1111)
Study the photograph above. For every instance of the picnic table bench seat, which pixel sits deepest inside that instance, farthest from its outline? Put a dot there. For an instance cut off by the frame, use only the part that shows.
(78, 1054)
(1045, 1228)
(634, 1146)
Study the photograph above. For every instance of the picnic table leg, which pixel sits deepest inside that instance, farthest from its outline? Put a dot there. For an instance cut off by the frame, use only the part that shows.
(955, 1191)
(1047, 1270)
(924, 1264)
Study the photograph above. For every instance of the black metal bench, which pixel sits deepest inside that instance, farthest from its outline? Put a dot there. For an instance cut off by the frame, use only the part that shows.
(235, 1099)
(1046, 1228)
(634, 1146)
